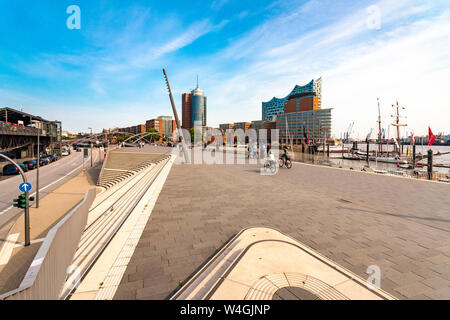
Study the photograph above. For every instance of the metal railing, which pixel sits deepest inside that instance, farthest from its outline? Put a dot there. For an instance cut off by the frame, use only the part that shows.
(48, 271)
(8, 129)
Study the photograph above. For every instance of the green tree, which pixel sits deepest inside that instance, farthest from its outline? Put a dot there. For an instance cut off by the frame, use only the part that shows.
(122, 138)
(155, 134)
(194, 131)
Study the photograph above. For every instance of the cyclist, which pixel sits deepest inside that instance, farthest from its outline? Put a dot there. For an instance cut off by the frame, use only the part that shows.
(284, 156)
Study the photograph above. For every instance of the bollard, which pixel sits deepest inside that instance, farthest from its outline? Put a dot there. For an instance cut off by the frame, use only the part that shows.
(367, 153)
(430, 164)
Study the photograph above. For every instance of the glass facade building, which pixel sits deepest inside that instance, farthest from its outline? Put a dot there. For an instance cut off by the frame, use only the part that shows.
(198, 107)
(316, 124)
(274, 107)
(194, 108)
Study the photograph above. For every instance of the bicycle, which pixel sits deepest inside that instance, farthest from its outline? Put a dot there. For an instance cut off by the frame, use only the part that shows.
(285, 162)
(270, 165)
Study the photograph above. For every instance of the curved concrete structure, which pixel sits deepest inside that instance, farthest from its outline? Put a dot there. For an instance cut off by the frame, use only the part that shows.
(258, 262)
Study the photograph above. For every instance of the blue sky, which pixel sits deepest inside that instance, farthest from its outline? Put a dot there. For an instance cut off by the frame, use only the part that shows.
(108, 73)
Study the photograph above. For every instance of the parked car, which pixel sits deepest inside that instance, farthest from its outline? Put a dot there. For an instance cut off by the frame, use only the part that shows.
(46, 160)
(53, 158)
(42, 162)
(31, 164)
(65, 153)
(11, 169)
(24, 167)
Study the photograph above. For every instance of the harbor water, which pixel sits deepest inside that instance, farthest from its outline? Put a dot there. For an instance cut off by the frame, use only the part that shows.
(442, 159)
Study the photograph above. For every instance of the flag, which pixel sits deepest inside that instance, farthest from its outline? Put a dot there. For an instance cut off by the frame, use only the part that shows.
(431, 137)
(412, 138)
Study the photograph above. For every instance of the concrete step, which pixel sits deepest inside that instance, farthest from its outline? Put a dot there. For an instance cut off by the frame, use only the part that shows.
(107, 216)
(120, 166)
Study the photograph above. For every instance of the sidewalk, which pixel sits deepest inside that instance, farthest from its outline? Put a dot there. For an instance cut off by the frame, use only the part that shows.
(15, 259)
(354, 219)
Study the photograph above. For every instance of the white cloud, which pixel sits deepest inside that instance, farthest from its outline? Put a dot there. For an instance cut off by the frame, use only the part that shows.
(217, 4)
(408, 59)
(404, 59)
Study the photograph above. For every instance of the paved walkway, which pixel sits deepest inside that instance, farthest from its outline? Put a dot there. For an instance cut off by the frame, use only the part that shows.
(14, 264)
(355, 219)
(263, 264)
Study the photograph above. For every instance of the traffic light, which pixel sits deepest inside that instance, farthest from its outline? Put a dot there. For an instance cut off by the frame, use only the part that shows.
(21, 201)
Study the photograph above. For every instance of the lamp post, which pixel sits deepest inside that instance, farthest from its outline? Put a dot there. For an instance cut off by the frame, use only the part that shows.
(91, 144)
(38, 160)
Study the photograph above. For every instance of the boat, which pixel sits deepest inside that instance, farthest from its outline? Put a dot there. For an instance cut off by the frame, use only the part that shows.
(334, 149)
(350, 156)
(385, 159)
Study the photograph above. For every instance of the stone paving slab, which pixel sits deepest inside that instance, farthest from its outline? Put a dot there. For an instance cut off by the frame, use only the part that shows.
(356, 219)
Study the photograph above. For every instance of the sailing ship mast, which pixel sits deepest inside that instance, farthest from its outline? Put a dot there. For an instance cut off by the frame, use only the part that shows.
(288, 136)
(379, 129)
(398, 125)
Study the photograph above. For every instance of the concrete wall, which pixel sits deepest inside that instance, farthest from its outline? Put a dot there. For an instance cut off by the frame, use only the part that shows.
(48, 271)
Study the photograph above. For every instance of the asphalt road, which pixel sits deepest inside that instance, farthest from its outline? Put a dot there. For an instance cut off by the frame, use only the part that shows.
(51, 176)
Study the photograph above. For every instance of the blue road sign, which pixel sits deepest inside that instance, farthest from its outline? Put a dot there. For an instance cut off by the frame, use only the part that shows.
(25, 187)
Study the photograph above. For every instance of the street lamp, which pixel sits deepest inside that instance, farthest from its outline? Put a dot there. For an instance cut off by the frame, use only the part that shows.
(91, 144)
(38, 160)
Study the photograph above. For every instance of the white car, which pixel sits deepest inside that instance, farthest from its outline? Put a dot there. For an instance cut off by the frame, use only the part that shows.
(65, 153)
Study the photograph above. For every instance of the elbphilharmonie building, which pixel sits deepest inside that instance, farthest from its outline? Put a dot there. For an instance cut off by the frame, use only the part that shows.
(274, 107)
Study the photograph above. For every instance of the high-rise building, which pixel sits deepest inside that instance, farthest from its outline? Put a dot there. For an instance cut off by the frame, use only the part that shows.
(186, 111)
(194, 108)
(299, 116)
(302, 102)
(276, 106)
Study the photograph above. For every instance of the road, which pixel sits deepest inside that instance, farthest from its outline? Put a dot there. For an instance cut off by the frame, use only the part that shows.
(50, 177)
